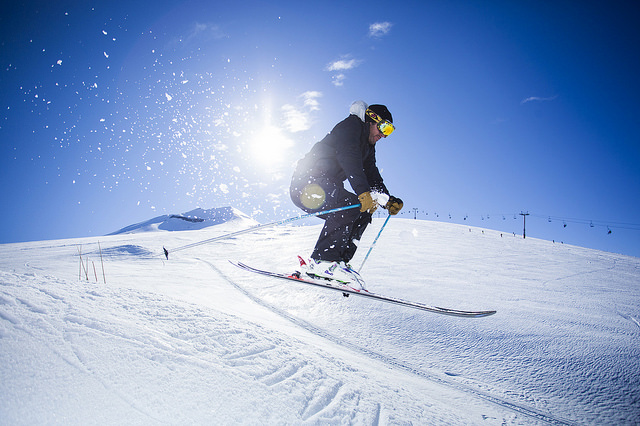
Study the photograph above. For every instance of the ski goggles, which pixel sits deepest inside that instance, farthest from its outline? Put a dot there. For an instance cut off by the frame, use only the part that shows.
(385, 126)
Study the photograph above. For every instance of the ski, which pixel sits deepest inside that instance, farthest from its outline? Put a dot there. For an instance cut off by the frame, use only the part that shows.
(346, 291)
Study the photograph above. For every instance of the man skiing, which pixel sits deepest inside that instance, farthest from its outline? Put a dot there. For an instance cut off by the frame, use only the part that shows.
(346, 153)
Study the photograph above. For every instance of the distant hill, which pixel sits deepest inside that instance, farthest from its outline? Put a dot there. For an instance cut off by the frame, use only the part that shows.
(191, 220)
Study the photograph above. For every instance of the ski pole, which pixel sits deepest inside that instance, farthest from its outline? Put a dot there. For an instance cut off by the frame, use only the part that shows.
(255, 228)
(374, 242)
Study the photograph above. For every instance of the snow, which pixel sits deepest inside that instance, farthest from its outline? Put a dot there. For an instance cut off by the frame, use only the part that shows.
(195, 340)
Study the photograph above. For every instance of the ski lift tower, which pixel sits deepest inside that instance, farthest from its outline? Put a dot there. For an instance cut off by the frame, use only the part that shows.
(524, 224)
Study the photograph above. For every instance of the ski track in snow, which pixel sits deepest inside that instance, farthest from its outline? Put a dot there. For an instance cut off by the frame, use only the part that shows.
(58, 321)
(160, 345)
(517, 408)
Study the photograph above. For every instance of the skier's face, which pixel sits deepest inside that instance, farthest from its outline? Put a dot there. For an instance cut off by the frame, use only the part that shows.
(374, 134)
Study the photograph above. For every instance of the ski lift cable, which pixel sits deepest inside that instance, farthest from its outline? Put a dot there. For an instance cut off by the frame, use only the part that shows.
(549, 218)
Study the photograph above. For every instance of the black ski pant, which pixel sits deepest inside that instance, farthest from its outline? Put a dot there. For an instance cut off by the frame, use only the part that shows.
(342, 230)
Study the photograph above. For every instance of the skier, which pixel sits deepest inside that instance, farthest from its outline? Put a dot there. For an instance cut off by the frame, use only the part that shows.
(346, 153)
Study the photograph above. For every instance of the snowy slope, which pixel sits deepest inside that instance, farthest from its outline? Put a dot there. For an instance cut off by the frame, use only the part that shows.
(196, 340)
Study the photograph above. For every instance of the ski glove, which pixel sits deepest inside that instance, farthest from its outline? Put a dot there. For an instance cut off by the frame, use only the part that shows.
(367, 204)
(394, 205)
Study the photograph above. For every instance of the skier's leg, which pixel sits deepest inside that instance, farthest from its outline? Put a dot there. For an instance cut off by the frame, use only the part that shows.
(334, 236)
(357, 229)
(316, 194)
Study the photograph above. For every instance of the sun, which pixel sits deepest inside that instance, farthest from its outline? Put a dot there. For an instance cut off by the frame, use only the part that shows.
(269, 147)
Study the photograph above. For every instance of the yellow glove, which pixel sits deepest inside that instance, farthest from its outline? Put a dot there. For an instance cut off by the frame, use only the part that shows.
(367, 203)
(394, 205)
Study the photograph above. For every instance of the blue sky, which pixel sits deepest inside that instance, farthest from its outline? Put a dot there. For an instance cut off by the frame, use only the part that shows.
(115, 112)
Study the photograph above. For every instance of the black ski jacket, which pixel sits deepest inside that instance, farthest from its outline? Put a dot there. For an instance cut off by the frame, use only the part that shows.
(345, 153)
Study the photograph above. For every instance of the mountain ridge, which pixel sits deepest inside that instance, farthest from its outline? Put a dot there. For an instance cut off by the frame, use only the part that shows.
(195, 219)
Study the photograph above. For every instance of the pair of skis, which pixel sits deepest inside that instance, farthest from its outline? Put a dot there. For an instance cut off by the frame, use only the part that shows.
(346, 291)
